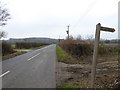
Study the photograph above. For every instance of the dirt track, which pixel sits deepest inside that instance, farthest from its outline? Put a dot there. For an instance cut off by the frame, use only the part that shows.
(79, 74)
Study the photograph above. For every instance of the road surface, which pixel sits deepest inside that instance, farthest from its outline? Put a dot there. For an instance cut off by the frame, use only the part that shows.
(35, 69)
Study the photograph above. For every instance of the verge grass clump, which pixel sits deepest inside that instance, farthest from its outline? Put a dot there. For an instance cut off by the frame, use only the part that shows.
(60, 53)
(68, 86)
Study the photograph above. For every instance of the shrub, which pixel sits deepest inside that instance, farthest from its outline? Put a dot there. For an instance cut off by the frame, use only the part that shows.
(101, 50)
(76, 48)
(80, 48)
(111, 49)
(6, 48)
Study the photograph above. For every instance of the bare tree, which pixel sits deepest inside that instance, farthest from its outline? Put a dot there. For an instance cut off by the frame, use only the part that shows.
(90, 38)
(79, 37)
(3, 34)
(4, 17)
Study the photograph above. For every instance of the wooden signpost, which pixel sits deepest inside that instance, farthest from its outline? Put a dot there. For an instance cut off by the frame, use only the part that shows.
(96, 45)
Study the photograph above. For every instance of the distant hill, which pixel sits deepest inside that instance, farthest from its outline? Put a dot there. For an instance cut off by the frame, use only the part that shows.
(44, 40)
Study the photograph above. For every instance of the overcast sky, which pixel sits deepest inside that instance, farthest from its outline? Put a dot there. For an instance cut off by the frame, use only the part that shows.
(49, 18)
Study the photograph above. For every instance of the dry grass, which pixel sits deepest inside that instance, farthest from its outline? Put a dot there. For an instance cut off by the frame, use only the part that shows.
(107, 75)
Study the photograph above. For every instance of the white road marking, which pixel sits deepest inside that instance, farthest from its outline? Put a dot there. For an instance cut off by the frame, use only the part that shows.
(4, 73)
(33, 57)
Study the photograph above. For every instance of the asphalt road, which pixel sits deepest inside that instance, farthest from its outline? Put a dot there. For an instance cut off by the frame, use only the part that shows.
(35, 69)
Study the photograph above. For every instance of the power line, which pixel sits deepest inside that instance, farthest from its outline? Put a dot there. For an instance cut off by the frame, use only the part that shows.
(86, 12)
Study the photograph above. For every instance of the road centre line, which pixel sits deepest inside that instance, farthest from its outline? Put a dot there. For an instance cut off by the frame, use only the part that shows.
(33, 57)
(4, 73)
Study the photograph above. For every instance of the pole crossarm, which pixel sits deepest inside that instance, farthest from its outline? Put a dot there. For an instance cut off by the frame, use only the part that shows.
(107, 29)
(67, 31)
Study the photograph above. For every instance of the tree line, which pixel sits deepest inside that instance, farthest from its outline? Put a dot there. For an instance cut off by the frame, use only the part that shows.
(27, 45)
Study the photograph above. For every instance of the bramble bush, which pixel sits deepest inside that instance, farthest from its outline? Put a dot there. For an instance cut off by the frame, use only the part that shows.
(6, 48)
(80, 48)
(76, 47)
(108, 49)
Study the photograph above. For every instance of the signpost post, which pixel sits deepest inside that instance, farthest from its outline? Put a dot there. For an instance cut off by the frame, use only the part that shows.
(96, 45)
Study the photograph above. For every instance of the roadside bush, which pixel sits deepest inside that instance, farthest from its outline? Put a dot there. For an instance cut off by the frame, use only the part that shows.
(80, 48)
(101, 50)
(6, 48)
(76, 48)
(108, 49)
(27, 45)
(111, 49)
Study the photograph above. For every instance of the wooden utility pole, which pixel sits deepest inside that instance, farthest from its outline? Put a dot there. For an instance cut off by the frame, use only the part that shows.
(59, 38)
(96, 46)
(68, 31)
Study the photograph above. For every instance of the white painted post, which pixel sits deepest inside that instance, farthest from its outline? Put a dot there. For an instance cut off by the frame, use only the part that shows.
(96, 45)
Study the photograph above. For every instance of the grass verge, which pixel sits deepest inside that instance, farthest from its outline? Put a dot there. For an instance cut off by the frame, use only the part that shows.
(64, 57)
(13, 55)
(61, 54)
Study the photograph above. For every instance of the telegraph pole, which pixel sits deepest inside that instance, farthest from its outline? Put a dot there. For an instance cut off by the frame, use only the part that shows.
(68, 31)
(59, 38)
